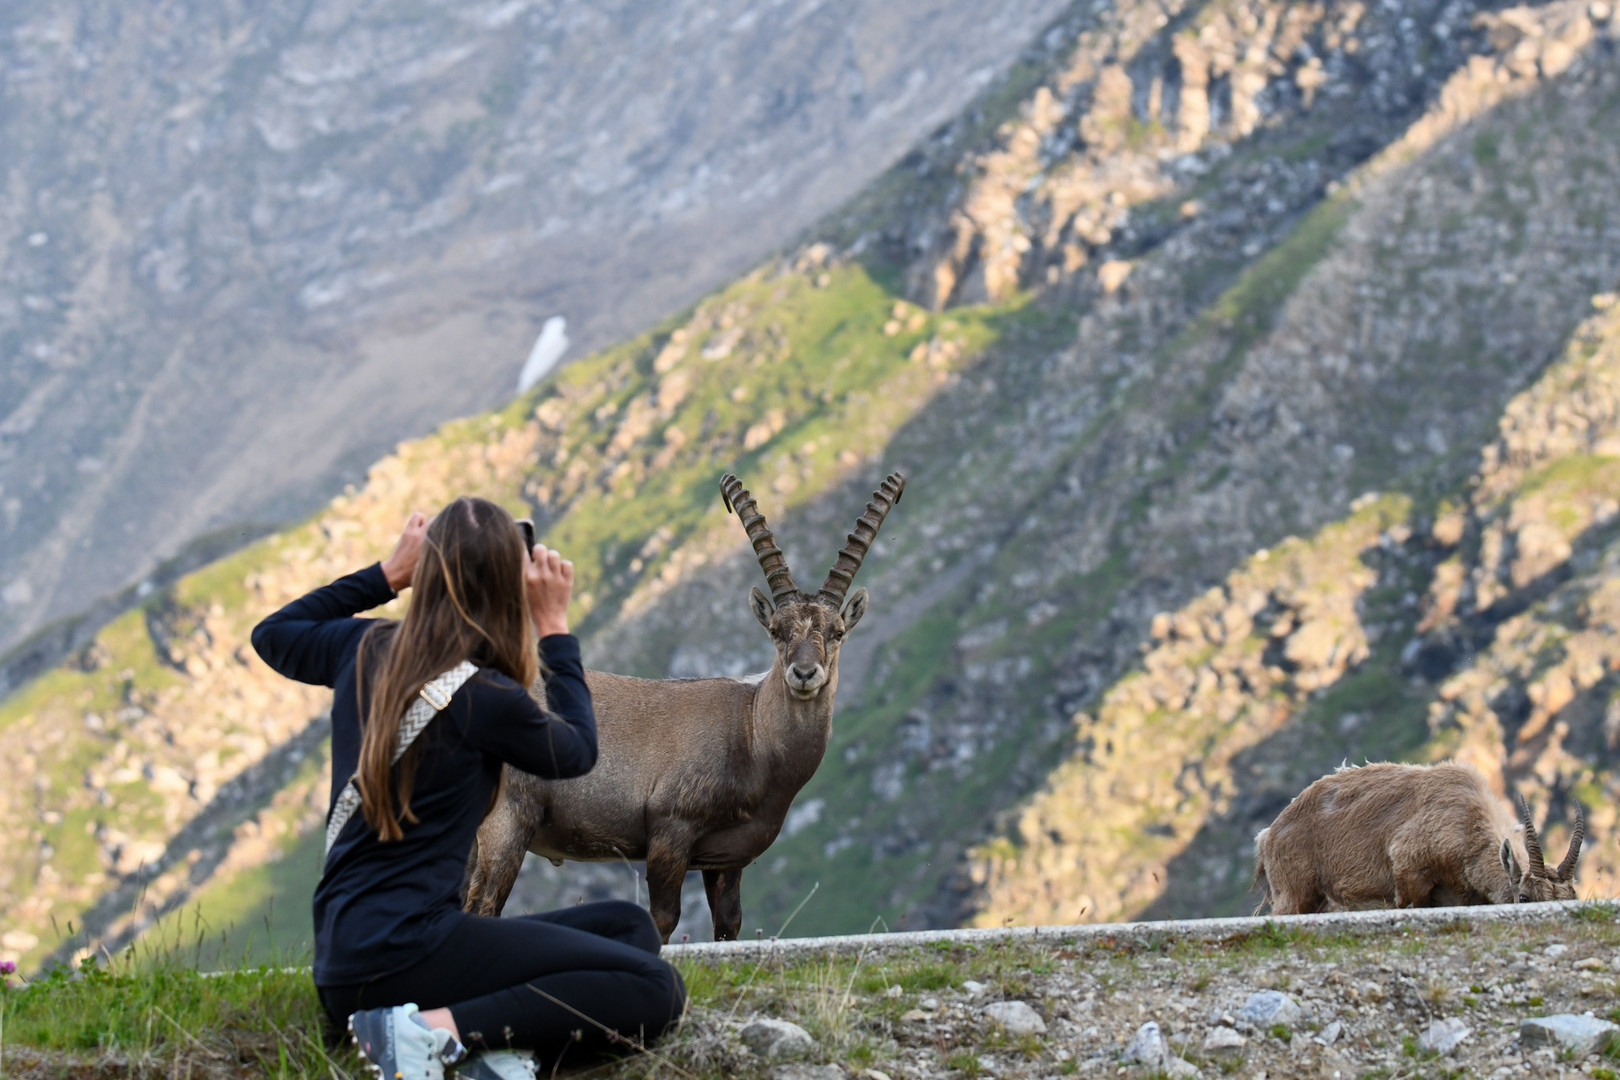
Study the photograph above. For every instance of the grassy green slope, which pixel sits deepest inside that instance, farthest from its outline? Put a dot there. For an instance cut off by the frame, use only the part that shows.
(787, 377)
(1079, 457)
(1474, 623)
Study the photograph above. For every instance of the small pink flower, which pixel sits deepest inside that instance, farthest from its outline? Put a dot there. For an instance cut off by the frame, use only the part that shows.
(7, 967)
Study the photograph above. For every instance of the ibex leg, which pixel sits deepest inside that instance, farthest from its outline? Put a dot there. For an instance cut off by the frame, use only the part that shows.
(1292, 901)
(1413, 887)
(667, 858)
(497, 856)
(724, 888)
(1413, 872)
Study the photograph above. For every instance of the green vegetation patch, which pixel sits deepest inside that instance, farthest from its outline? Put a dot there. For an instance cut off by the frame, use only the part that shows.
(919, 1007)
(135, 1016)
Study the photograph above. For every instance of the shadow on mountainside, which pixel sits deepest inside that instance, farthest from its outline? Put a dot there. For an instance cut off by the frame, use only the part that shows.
(122, 912)
(1378, 711)
(1438, 335)
(1110, 454)
(1089, 480)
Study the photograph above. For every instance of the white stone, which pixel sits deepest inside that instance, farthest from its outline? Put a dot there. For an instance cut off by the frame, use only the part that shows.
(773, 1038)
(973, 989)
(1016, 1016)
(18, 941)
(1444, 1036)
(1223, 1040)
(1555, 950)
(1330, 1034)
(1148, 1047)
(807, 1072)
(1269, 1007)
(1580, 1034)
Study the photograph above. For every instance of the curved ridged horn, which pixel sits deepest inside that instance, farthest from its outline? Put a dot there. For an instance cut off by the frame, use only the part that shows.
(1532, 843)
(859, 542)
(1566, 869)
(771, 559)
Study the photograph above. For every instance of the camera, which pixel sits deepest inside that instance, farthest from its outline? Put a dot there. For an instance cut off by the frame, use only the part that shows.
(526, 527)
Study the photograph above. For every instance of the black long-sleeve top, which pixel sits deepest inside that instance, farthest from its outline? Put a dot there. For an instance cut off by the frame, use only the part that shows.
(382, 907)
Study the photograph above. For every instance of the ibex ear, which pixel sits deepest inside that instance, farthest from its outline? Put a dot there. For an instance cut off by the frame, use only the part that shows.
(854, 610)
(762, 607)
(1510, 863)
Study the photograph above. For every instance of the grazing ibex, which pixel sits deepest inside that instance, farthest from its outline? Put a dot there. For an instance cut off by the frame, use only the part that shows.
(1405, 835)
(694, 773)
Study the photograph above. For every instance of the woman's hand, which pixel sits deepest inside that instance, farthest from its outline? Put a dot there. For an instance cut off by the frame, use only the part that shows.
(548, 579)
(399, 567)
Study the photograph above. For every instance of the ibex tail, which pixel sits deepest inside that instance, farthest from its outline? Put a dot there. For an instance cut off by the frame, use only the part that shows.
(1260, 881)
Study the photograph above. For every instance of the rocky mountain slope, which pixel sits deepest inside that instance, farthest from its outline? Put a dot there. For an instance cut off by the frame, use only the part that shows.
(1245, 366)
(249, 247)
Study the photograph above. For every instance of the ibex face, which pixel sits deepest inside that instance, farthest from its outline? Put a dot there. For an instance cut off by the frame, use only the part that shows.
(807, 634)
(808, 630)
(1535, 882)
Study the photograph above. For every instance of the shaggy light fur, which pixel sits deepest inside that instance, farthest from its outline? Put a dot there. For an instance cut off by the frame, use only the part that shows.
(1387, 834)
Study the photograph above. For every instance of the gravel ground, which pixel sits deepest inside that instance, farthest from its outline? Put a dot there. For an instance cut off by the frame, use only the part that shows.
(1355, 995)
(1422, 997)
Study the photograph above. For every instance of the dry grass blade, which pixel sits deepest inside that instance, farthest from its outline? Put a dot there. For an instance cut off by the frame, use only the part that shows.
(198, 1043)
(336, 1071)
(613, 1036)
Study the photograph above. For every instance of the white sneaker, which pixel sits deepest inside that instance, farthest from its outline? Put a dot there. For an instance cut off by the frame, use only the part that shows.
(398, 1046)
(498, 1065)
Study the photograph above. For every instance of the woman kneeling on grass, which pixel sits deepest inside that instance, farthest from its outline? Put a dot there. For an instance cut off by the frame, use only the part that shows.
(390, 935)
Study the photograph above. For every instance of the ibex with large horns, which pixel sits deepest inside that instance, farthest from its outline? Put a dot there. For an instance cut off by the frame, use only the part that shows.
(695, 773)
(1408, 836)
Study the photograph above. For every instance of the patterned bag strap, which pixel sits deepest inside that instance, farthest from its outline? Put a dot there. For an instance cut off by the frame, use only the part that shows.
(430, 700)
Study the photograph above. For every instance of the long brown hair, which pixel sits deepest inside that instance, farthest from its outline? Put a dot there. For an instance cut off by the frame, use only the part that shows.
(467, 603)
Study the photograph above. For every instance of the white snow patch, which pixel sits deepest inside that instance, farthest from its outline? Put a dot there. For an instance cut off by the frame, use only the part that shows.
(548, 349)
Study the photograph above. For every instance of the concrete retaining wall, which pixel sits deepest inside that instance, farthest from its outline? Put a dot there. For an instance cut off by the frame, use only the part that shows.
(1338, 922)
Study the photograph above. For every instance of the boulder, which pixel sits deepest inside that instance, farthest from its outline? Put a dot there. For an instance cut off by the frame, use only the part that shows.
(807, 1072)
(1580, 1035)
(1016, 1016)
(1444, 1036)
(1224, 1041)
(1148, 1047)
(771, 1038)
(1267, 1008)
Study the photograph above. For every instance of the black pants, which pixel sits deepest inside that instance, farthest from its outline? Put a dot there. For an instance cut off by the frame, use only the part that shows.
(577, 977)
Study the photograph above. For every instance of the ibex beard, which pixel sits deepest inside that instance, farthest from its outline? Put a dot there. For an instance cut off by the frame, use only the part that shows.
(695, 774)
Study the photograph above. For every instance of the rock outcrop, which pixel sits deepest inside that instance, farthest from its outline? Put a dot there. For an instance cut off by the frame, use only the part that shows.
(249, 248)
(1300, 457)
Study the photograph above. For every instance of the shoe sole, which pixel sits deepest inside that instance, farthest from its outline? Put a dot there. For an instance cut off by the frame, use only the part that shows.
(372, 1067)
